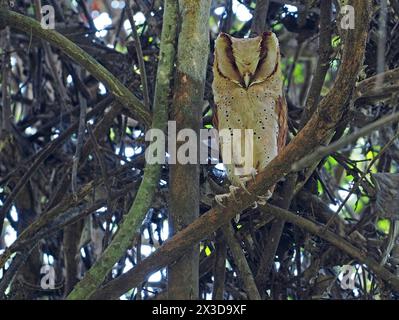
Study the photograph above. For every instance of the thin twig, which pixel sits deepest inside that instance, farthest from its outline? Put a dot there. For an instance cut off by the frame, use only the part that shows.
(241, 262)
(122, 94)
(101, 163)
(6, 107)
(79, 142)
(52, 214)
(315, 131)
(9, 274)
(139, 51)
(366, 172)
(51, 64)
(322, 152)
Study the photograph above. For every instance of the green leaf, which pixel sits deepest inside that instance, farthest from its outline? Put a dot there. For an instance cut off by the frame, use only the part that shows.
(336, 41)
(120, 48)
(320, 188)
(112, 134)
(384, 225)
(299, 73)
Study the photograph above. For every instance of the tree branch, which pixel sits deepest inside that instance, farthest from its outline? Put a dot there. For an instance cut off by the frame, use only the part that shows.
(132, 221)
(317, 129)
(323, 63)
(241, 262)
(122, 94)
(139, 52)
(322, 152)
(259, 20)
(186, 111)
(318, 229)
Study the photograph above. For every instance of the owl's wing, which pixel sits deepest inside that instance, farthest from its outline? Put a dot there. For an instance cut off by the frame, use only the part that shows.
(282, 116)
(215, 119)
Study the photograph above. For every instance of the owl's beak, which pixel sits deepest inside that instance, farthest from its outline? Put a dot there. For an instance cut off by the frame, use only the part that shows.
(247, 79)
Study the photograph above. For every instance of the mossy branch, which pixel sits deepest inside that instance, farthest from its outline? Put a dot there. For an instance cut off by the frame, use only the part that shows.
(121, 93)
(132, 221)
(322, 123)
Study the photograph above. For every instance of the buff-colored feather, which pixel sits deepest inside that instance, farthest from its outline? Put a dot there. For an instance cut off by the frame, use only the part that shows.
(248, 92)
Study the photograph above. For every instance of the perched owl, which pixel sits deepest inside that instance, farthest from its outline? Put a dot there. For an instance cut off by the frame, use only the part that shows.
(248, 92)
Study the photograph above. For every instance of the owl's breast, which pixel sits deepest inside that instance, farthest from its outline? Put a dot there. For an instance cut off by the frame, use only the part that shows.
(244, 107)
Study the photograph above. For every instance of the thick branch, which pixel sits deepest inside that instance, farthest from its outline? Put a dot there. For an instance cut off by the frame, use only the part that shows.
(323, 64)
(317, 129)
(132, 221)
(134, 276)
(191, 63)
(260, 14)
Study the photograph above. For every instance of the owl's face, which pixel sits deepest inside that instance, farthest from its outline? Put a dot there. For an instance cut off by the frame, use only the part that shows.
(247, 62)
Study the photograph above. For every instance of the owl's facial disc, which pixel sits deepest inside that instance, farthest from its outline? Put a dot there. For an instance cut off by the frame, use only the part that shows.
(246, 61)
(246, 54)
(269, 58)
(225, 62)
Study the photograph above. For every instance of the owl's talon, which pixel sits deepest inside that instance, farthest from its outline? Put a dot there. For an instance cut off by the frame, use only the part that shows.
(242, 185)
(254, 172)
(220, 197)
(271, 129)
(219, 200)
(233, 191)
(262, 200)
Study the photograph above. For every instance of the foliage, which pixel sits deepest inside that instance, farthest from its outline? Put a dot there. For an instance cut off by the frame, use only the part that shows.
(54, 214)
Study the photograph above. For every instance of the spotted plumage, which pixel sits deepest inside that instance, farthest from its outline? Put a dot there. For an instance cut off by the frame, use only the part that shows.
(248, 93)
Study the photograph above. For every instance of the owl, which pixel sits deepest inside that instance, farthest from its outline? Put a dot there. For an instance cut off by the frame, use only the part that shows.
(248, 93)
